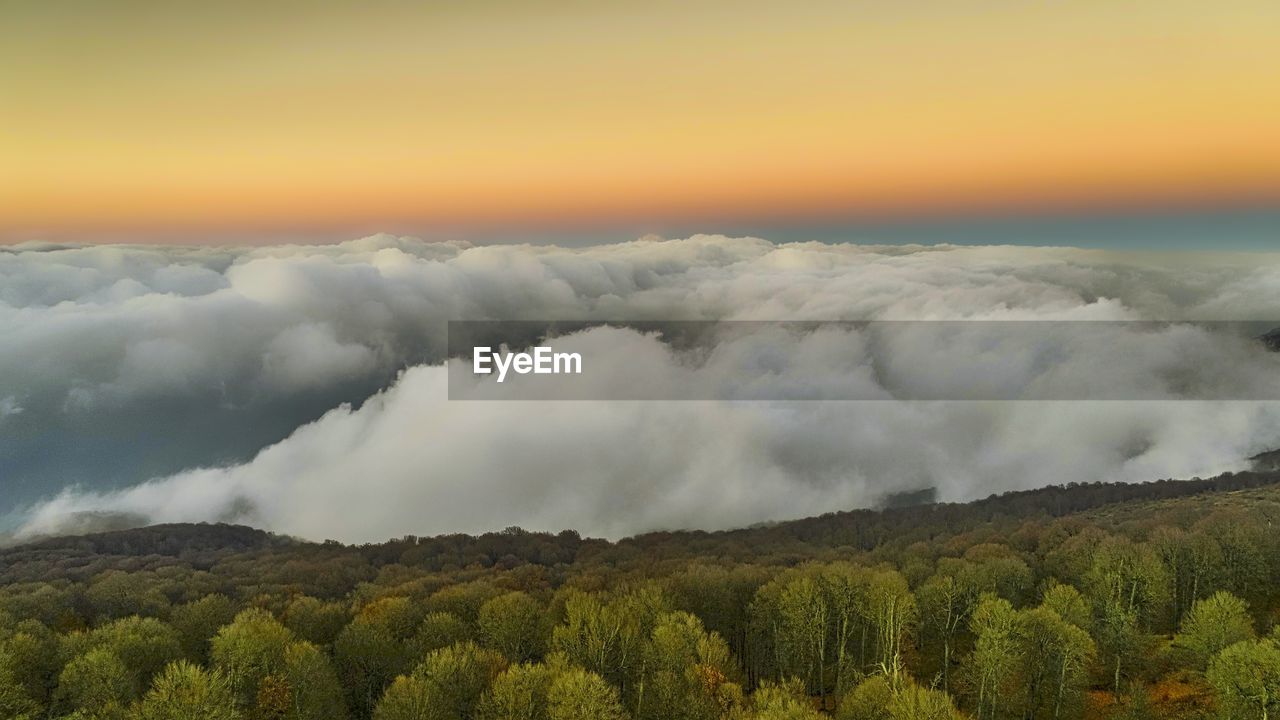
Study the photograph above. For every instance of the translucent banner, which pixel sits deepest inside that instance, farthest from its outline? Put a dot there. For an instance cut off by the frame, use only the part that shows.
(864, 360)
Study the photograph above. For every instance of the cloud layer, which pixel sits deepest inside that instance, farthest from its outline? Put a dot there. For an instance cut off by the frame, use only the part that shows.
(301, 387)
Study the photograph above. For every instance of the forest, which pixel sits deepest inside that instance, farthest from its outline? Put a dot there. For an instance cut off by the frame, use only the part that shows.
(1154, 600)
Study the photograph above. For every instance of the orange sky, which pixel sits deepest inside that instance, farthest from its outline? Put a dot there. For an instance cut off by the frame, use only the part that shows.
(147, 117)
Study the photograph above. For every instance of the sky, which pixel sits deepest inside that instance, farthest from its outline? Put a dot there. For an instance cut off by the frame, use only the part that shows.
(199, 122)
(232, 234)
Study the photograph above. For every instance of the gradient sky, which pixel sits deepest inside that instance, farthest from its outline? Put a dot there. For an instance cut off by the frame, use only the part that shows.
(133, 118)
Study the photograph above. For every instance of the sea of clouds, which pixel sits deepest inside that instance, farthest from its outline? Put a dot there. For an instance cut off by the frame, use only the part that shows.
(303, 388)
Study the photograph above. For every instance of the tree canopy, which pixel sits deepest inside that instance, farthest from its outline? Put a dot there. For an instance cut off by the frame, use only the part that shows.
(1091, 601)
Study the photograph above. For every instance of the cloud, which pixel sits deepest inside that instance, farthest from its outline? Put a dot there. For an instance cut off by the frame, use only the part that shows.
(411, 461)
(9, 406)
(300, 388)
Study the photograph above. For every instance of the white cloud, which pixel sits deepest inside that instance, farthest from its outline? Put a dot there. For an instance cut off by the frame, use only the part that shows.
(411, 461)
(103, 338)
(9, 406)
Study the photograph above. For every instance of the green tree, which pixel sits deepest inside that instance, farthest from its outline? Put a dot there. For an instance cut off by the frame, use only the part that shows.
(29, 662)
(870, 700)
(892, 610)
(410, 697)
(183, 691)
(399, 615)
(446, 686)
(96, 682)
(946, 601)
(519, 693)
(1053, 656)
(313, 689)
(1193, 562)
(687, 672)
(368, 658)
(895, 696)
(609, 637)
(462, 600)
(1242, 539)
(721, 597)
(800, 616)
(826, 624)
(999, 569)
(912, 702)
(1246, 677)
(991, 668)
(314, 620)
(248, 650)
(514, 625)
(15, 701)
(1068, 603)
(783, 701)
(1220, 620)
(117, 594)
(1128, 587)
(144, 645)
(576, 694)
(439, 630)
(197, 622)
(1120, 638)
(846, 589)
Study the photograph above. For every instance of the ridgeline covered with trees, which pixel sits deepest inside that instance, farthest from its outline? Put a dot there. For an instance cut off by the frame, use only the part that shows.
(1157, 600)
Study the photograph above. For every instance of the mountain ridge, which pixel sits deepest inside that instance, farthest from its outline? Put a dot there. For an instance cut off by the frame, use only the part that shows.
(203, 544)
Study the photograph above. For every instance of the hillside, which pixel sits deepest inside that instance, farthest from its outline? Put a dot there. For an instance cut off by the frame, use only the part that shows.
(204, 545)
(1084, 601)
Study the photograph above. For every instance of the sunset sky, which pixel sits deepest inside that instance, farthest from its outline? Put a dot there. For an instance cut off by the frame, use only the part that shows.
(147, 119)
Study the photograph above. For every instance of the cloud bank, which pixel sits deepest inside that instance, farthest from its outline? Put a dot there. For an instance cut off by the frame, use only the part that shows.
(301, 388)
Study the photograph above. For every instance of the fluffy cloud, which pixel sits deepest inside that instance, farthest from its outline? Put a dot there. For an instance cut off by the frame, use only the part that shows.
(301, 387)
